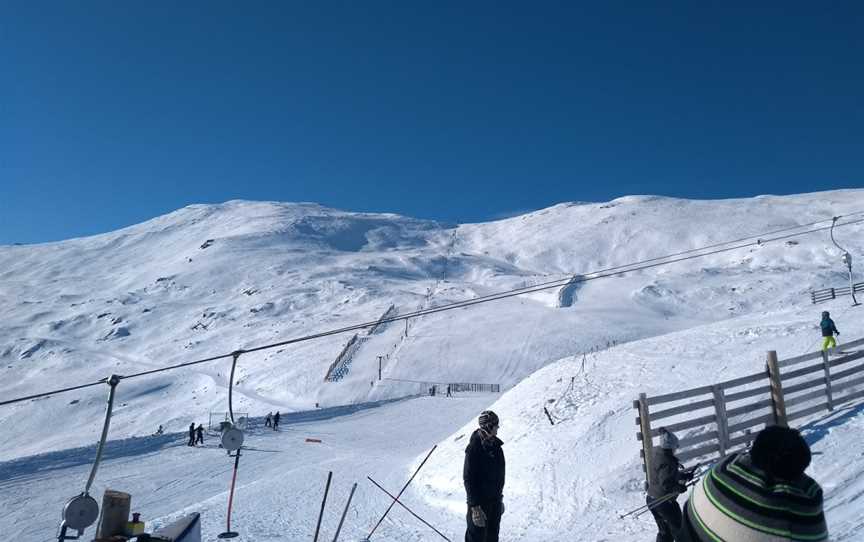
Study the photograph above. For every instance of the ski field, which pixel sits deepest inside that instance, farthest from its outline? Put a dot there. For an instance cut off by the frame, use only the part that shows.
(210, 279)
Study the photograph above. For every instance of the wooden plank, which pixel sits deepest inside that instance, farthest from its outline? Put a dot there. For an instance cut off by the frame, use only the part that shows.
(647, 442)
(822, 407)
(789, 390)
(849, 397)
(737, 396)
(722, 422)
(777, 404)
(801, 372)
(686, 394)
(767, 418)
(807, 397)
(689, 442)
(689, 407)
(846, 372)
(742, 439)
(698, 452)
(846, 359)
(744, 380)
(737, 411)
(826, 366)
(686, 424)
(848, 384)
(799, 359)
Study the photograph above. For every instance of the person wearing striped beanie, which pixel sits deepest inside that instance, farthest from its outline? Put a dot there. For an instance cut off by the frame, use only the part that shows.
(758, 496)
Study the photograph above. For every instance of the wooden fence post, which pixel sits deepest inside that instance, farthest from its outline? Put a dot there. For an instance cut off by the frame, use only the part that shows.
(779, 404)
(722, 422)
(826, 366)
(647, 440)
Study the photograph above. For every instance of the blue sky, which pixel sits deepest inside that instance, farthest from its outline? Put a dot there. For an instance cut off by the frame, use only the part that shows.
(114, 112)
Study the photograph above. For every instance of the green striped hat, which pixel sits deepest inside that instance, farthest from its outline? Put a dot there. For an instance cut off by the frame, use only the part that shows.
(739, 502)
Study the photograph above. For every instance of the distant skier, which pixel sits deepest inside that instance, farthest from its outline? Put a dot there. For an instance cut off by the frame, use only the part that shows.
(268, 420)
(448, 391)
(191, 434)
(160, 430)
(667, 482)
(276, 421)
(759, 496)
(828, 331)
(199, 439)
(483, 475)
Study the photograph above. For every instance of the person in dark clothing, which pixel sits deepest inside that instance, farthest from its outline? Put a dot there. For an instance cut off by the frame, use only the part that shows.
(199, 439)
(268, 420)
(448, 390)
(276, 421)
(828, 331)
(483, 474)
(191, 434)
(667, 481)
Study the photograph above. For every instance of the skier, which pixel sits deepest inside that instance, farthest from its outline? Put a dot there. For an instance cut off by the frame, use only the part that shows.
(760, 496)
(276, 421)
(667, 482)
(160, 430)
(200, 434)
(483, 475)
(448, 391)
(828, 331)
(268, 420)
(191, 434)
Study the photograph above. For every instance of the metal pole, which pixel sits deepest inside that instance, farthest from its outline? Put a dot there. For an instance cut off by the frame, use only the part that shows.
(113, 381)
(228, 532)
(401, 491)
(396, 500)
(344, 513)
(379, 367)
(323, 502)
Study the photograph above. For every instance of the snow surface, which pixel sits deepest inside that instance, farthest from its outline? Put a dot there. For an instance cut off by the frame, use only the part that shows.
(209, 279)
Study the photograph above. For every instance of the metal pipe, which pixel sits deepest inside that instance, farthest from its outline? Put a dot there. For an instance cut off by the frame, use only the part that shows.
(235, 356)
(112, 382)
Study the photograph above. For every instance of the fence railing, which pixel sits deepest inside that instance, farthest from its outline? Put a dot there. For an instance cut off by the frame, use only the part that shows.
(715, 420)
(441, 387)
(827, 294)
(339, 367)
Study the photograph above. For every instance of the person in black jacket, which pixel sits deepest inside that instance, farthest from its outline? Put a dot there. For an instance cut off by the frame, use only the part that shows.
(191, 434)
(483, 474)
(667, 481)
(199, 435)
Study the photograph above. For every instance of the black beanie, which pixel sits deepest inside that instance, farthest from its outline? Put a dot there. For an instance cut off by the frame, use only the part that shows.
(781, 452)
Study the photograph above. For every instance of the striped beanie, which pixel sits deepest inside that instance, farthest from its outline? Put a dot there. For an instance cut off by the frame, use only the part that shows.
(736, 501)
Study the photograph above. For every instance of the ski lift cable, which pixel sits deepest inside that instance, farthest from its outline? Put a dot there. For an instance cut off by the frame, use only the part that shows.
(595, 275)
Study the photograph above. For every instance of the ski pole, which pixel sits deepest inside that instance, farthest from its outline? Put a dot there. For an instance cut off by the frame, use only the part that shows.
(647, 506)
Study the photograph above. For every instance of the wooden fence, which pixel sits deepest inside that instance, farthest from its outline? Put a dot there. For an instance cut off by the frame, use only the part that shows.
(714, 420)
(827, 294)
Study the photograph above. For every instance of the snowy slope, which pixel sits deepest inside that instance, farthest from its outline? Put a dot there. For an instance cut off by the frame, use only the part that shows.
(209, 279)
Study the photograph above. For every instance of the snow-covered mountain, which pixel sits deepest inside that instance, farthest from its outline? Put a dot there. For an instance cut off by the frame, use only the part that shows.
(209, 279)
